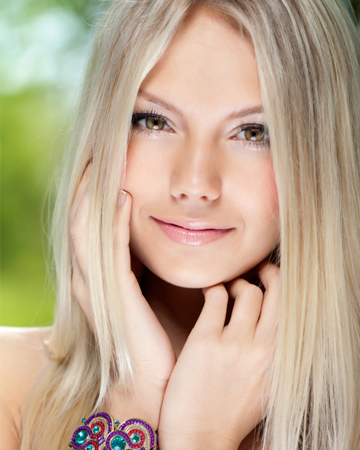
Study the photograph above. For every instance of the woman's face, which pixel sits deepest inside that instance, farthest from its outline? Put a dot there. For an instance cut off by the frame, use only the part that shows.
(199, 168)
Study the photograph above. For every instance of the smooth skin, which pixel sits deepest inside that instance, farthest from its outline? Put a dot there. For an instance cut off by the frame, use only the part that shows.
(203, 381)
(199, 377)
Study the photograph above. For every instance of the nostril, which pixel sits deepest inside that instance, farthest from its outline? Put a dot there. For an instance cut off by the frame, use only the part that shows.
(189, 197)
(196, 177)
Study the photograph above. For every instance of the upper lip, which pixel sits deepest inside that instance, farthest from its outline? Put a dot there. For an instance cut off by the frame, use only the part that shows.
(193, 225)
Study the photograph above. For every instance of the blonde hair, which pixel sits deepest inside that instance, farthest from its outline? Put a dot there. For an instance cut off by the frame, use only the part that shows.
(308, 55)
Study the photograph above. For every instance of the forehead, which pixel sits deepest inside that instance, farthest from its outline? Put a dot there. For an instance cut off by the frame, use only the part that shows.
(208, 63)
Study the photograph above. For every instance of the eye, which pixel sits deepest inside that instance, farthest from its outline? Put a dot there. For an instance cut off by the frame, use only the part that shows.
(152, 123)
(149, 121)
(253, 133)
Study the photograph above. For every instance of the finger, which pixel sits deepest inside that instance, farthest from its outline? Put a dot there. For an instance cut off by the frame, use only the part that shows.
(212, 316)
(122, 234)
(78, 285)
(85, 180)
(78, 230)
(246, 310)
(80, 292)
(269, 275)
(76, 268)
(137, 310)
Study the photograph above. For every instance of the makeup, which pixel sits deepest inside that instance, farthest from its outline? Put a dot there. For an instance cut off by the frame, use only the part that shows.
(192, 233)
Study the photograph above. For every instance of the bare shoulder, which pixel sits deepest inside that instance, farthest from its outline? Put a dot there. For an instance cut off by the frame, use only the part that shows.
(23, 359)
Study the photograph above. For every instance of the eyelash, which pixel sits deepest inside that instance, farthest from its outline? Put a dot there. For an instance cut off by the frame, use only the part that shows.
(136, 117)
(260, 145)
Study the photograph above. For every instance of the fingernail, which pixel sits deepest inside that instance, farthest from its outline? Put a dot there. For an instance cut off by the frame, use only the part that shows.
(121, 197)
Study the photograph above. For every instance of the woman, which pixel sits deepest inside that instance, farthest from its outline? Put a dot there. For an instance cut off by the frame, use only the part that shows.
(172, 195)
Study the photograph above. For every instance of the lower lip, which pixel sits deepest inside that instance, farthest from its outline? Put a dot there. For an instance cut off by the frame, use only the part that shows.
(191, 237)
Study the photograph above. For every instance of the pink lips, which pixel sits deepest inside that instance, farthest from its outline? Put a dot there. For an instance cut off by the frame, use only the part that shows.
(192, 233)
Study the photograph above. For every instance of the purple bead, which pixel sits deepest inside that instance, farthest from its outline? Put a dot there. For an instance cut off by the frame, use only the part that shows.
(101, 440)
(102, 415)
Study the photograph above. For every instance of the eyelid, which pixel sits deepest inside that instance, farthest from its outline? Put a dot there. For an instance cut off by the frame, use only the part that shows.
(255, 125)
(256, 145)
(145, 114)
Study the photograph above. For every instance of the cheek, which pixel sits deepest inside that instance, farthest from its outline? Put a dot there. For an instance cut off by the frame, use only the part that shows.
(137, 171)
(254, 189)
(258, 205)
(145, 169)
(268, 193)
(268, 209)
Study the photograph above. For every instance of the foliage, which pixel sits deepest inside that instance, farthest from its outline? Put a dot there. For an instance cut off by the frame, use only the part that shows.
(33, 115)
(28, 120)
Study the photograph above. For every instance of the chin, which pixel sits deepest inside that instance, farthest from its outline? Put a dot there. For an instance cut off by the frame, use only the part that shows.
(193, 278)
(193, 282)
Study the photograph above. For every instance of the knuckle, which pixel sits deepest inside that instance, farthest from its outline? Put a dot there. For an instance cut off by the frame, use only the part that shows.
(269, 272)
(216, 305)
(216, 294)
(239, 284)
(238, 287)
(253, 291)
(248, 291)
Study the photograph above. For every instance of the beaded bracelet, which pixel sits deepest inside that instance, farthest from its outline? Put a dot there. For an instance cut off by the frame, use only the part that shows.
(101, 432)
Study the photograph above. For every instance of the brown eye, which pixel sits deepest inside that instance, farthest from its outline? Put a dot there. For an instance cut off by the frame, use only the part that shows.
(153, 123)
(255, 135)
(147, 122)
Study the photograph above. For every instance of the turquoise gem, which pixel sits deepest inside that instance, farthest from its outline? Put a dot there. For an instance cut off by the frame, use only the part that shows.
(96, 429)
(118, 443)
(135, 438)
(89, 447)
(117, 422)
(83, 420)
(81, 437)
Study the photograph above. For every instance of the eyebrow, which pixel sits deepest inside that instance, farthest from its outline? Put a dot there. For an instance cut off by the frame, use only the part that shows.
(234, 115)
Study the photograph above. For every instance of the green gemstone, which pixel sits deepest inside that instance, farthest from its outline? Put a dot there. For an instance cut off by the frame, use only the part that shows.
(118, 443)
(81, 437)
(117, 422)
(96, 429)
(135, 438)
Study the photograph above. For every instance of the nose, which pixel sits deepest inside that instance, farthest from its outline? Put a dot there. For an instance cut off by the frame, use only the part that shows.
(196, 176)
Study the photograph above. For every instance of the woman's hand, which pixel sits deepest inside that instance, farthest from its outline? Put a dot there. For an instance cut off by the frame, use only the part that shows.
(217, 392)
(150, 348)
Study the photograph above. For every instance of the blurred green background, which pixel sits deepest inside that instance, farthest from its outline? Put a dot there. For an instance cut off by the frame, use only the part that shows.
(44, 45)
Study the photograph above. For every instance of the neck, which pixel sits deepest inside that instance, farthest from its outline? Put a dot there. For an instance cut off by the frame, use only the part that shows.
(177, 308)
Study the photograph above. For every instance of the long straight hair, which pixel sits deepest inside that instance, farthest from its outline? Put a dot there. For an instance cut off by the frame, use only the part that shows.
(308, 56)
